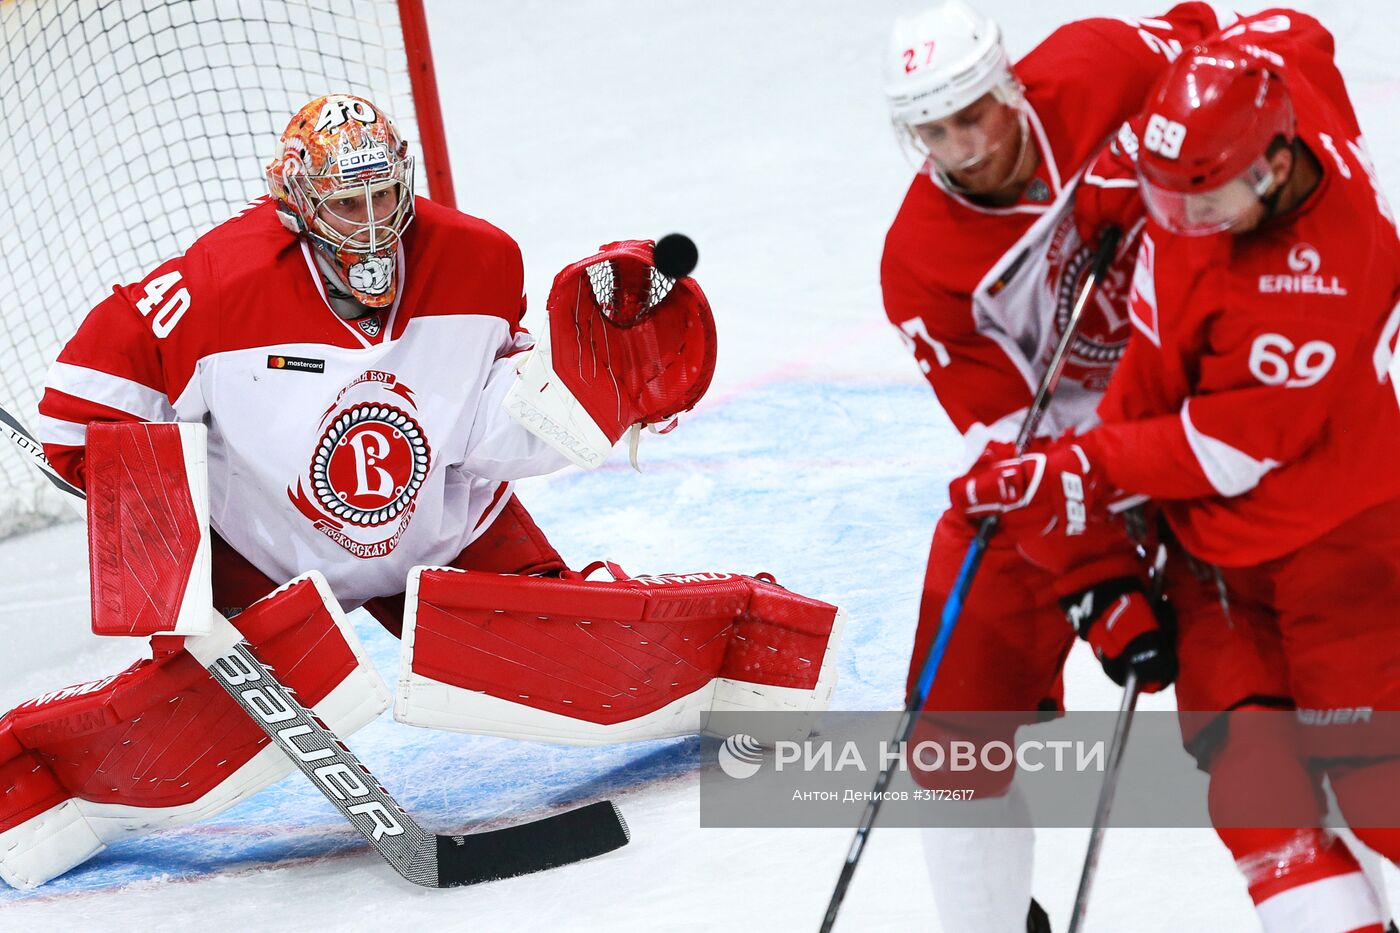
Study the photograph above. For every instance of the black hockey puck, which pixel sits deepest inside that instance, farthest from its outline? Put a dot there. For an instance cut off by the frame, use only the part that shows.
(675, 255)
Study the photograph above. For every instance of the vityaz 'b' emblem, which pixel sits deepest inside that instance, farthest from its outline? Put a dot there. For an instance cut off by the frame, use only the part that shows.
(369, 465)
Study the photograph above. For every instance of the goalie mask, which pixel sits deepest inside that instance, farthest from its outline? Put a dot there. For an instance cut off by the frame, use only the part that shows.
(342, 176)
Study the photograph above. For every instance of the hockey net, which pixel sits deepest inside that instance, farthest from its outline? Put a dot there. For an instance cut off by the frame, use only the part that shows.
(132, 126)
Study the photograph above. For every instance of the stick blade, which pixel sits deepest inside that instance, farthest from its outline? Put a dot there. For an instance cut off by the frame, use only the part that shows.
(530, 847)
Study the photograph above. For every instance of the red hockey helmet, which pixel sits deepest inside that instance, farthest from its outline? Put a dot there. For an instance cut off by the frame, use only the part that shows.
(1204, 135)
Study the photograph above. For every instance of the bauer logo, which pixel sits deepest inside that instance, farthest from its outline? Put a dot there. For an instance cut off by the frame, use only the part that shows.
(298, 363)
(740, 756)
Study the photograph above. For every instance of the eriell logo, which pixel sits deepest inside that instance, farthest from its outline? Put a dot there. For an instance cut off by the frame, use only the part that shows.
(1303, 261)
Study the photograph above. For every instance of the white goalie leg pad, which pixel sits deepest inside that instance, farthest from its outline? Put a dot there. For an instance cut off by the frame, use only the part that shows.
(805, 707)
(434, 705)
(74, 829)
(425, 701)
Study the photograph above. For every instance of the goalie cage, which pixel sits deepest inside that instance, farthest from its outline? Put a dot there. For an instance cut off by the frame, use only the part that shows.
(132, 126)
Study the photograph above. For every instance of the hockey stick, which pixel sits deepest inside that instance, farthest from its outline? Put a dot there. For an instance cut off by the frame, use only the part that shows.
(434, 861)
(34, 452)
(1106, 792)
(1118, 745)
(952, 607)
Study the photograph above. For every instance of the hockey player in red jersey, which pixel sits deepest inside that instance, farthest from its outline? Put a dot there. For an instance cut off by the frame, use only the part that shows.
(1257, 404)
(350, 357)
(980, 270)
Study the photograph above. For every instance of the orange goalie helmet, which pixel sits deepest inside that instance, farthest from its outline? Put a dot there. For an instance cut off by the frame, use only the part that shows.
(342, 176)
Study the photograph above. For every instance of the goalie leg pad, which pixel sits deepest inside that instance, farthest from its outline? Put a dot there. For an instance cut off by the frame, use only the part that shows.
(512, 543)
(162, 744)
(585, 662)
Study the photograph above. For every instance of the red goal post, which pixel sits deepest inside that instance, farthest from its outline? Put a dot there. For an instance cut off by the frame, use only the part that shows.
(129, 127)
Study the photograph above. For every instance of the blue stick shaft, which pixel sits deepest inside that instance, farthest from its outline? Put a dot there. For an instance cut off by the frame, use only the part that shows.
(952, 609)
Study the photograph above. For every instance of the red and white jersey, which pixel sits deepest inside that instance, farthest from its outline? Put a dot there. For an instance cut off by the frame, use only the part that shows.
(980, 294)
(359, 449)
(1257, 378)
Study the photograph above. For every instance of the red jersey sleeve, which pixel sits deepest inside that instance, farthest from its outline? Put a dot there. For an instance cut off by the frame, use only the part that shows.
(1268, 386)
(111, 369)
(1285, 330)
(1111, 62)
(974, 377)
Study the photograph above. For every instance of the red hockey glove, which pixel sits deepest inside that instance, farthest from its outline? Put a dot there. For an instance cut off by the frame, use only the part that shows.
(1118, 622)
(1107, 195)
(1052, 489)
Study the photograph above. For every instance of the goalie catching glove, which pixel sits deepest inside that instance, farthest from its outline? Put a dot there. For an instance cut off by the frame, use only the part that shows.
(625, 347)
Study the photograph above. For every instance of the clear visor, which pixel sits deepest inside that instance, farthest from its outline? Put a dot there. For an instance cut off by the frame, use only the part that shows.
(367, 216)
(1201, 213)
(958, 149)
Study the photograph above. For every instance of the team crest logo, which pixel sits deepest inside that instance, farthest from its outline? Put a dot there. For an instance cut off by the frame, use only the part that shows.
(368, 466)
(1104, 328)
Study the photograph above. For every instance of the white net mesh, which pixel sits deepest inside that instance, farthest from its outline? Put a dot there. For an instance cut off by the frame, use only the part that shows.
(603, 282)
(129, 127)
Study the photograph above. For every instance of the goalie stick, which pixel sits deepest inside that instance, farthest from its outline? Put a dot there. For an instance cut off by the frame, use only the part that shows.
(424, 858)
(952, 608)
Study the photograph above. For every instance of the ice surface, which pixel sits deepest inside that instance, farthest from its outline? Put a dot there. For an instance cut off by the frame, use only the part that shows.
(758, 129)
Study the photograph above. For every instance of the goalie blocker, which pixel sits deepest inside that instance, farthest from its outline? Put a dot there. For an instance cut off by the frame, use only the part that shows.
(587, 662)
(149, 560)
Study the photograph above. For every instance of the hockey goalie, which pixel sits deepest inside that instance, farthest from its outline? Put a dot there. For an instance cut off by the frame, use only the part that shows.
(322, 405)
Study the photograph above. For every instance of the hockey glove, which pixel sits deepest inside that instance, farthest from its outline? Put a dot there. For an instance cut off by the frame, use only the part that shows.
(1050, 490)
(625, 347)
(1107, 195)
(1117, 621)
